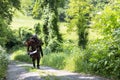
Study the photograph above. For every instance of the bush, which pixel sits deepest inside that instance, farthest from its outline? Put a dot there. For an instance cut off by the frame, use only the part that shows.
(3, 63)
(102, 60)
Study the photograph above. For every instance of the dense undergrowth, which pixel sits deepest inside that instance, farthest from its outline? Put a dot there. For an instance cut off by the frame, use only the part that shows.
(3, 63)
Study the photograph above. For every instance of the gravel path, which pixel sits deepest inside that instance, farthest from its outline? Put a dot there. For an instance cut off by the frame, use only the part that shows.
(18, 71)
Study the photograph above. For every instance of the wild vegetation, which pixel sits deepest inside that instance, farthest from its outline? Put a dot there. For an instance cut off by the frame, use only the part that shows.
(78, 35)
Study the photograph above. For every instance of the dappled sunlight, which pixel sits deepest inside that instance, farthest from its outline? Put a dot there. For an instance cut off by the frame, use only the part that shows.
(29, 76)
(24, 64)
(94, 34)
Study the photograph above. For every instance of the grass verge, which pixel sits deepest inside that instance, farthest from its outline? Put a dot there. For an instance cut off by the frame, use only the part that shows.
(21, 55)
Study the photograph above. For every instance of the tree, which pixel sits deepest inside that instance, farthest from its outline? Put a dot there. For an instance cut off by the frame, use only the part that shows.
(7, 8)
(50, 28)
(107, 20)
(78, 13)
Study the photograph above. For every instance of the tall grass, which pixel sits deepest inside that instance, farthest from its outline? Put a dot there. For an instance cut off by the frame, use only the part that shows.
(55, 60)
(71, 59)
(21, 55)
(75, 62)
(72, 62)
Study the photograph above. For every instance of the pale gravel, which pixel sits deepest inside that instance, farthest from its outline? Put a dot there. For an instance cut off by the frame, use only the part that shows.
(17, 71)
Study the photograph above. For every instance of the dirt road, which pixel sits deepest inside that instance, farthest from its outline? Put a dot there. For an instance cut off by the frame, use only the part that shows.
(19, 71)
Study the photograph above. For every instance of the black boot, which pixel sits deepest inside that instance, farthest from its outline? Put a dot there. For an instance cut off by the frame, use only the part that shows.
(38, 60)
(38, 67)
(33, 65)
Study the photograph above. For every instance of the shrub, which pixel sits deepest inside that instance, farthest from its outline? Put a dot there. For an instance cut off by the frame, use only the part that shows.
(3, 63)
(102, 60)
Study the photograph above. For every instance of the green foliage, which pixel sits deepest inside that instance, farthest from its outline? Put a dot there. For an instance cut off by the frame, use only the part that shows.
(108, 19)
(52, 23)
(62, 14)
(37, 28)
(99, 4)
(25, 33)
(102, 60)
(37, 10)
(27, 7)
(3, 32)
(104, 54)
(50, 27)
(3, 63)
(45, 31)
(95, 52)
(6, 8)
(62, 6)
(72, 58)
(7, 37)
(116, 35)
(54, 36)
(54, 46)
(74, 62)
